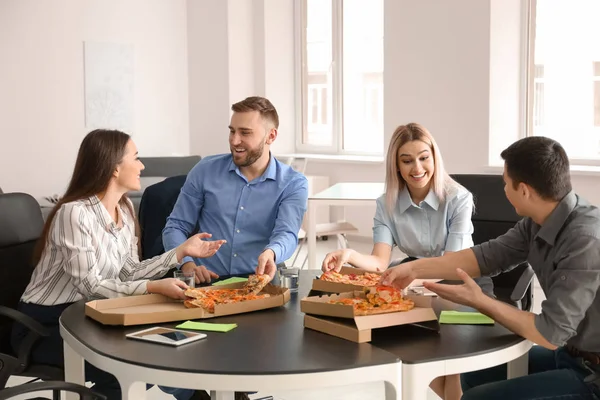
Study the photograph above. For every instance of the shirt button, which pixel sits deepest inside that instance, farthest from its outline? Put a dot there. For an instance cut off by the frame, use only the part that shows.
(562, 277)
(242, 207)
(237, 230)
(247, 185)
(235, 255)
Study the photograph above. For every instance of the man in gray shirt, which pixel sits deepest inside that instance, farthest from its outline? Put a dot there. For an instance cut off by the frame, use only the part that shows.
(560, 237)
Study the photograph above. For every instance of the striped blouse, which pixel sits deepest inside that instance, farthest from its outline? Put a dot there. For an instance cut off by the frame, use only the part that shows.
(89, 257)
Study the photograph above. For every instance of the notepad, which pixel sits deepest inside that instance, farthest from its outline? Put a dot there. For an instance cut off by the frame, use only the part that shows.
(206, 326)
(464, 317)
(234, 279)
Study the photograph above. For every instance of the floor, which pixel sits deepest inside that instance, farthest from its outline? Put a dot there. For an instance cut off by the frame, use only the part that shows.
(372, 391)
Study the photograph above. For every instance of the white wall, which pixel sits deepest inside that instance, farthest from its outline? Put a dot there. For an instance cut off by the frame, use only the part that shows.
(41, 82)
(239, 48)
(208, 55)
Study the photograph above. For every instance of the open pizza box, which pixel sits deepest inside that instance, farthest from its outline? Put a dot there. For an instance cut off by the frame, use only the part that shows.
(347, 325)
(156, 308)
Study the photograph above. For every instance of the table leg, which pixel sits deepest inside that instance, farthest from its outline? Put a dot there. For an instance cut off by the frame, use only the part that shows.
(74, 369)
(518, 367)
(220, 395)
(132, 390)
(311, 234)
(391, 391)
(416, 380)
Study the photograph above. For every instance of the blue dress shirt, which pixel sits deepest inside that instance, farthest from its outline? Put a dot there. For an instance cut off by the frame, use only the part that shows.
(265, 213)
(427, 229)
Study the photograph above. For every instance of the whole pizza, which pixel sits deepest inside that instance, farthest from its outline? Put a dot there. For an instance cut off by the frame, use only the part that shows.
(209, 298)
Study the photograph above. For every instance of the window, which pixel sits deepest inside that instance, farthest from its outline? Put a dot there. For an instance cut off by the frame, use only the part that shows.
(564, 76)
(341, 78)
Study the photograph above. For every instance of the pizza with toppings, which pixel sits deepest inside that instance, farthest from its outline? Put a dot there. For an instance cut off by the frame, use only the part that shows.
(209, 298)
(366, 279)
(378, 300)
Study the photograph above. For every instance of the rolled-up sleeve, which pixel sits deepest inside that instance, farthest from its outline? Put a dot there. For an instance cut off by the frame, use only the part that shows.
(460, 227)
(382, 232)
(505, 252)
(573, 286)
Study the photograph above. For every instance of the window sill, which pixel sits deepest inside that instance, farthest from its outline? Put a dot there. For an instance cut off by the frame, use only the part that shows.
(342, 158)
(576, 170)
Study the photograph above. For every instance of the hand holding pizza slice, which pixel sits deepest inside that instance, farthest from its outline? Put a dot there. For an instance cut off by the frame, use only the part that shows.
(256, 283)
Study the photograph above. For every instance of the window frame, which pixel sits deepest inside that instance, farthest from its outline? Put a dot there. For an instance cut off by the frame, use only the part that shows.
(301, 89)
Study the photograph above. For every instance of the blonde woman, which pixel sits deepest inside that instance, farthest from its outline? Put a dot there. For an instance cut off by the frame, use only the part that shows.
(423, 212)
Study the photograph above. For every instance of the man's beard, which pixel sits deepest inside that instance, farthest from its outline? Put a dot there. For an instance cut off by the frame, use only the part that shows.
(250, 156)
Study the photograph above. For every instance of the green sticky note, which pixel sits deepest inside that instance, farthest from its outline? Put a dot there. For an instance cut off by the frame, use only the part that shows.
(206, 326)
(464, 317)
(235, 279)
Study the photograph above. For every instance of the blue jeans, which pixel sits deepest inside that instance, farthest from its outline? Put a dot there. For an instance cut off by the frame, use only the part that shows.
(179, 394)
(553, 374)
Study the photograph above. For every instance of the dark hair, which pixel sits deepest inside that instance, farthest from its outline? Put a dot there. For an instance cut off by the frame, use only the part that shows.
(541, 163)
(99, 153)
(255, 103)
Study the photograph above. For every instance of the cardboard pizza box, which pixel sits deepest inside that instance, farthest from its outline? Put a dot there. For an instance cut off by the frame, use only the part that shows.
(334, 287)
(347, 325)
(156, 308)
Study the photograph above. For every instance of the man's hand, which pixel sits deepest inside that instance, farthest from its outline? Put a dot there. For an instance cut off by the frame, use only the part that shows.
(201, 272)
(399, 276)
(266, 263)
(195, 246)
(170, 287)
(468, 294)
(335, 260)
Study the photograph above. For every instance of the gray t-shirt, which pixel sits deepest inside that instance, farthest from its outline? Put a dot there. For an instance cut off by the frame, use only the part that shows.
(564, 252)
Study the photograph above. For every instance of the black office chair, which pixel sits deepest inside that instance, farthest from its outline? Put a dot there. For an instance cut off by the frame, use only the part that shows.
(493, 217)
(156, 205)
(21, 224)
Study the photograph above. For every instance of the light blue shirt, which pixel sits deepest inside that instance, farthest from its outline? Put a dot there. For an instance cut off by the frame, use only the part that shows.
(265, 213)
(427, 229)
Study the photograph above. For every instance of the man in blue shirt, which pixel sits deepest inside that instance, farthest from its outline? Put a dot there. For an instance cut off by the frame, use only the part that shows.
(247, 197)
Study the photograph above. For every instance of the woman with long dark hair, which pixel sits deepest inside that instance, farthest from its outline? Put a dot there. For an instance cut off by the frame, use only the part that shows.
(88, 249)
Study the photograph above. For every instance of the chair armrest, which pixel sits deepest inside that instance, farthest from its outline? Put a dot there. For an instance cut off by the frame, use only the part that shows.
(25, 320)
(522, 285)
(84, 392)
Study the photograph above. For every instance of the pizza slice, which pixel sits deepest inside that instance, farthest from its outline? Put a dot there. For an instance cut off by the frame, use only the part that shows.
(366, 279)
(256, 283)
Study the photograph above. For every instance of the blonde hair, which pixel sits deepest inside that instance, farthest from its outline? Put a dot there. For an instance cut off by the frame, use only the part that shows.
(394, 183)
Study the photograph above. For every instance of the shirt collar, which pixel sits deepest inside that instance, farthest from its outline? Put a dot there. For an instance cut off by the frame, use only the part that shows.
(557, 218)
(405, 201)
(270, 172)
(103, 215)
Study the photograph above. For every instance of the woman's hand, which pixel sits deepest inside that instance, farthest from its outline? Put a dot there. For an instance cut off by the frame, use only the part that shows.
(336, 259)
(169, 287)
(196, 247)
(399, 276)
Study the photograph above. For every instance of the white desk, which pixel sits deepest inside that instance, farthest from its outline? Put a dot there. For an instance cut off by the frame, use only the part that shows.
(340, 194)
